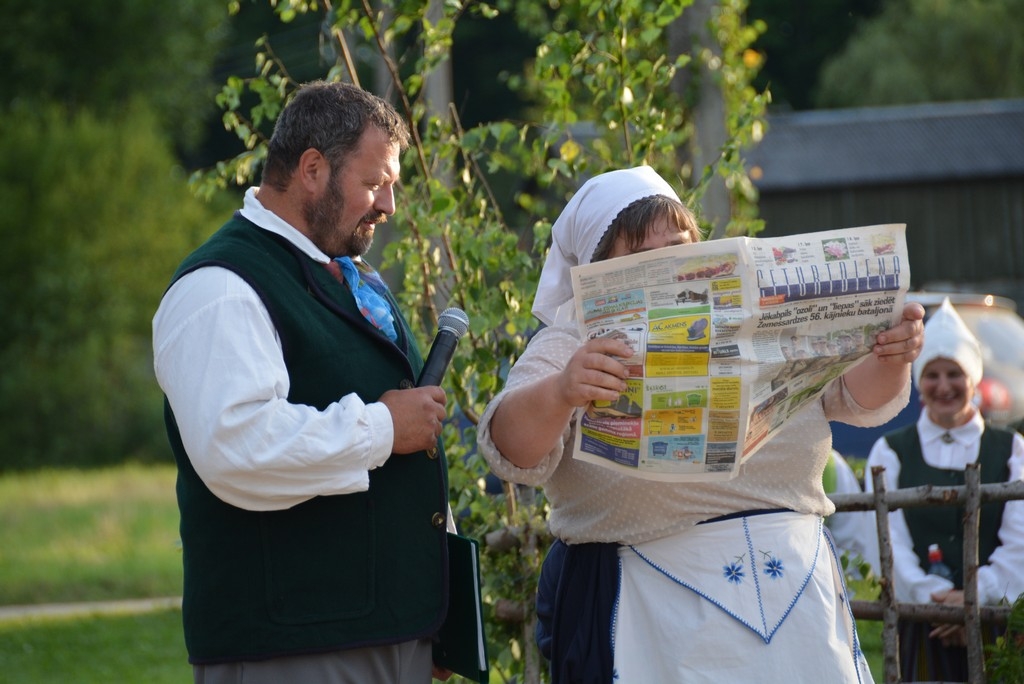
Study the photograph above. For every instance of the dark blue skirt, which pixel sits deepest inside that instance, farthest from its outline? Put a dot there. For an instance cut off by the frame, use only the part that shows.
(576, 595)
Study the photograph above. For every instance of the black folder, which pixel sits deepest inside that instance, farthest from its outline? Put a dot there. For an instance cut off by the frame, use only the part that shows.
(460, 645)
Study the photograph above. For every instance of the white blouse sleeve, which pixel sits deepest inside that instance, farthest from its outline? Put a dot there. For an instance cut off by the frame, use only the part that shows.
(1003, 575)
(841, 406)
(547, 353)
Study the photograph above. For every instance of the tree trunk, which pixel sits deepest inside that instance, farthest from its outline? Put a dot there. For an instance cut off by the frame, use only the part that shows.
(692, 34)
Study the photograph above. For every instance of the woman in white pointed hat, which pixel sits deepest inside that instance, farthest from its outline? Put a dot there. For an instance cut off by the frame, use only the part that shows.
(678, 582)
(949, 434)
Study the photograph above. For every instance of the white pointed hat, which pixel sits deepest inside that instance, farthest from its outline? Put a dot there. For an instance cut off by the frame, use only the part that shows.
(946, 336)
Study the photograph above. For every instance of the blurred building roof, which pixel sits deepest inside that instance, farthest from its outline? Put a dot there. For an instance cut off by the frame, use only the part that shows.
(875, 145)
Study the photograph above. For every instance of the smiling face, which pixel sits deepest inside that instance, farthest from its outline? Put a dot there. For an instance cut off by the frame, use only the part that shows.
(947, 393)
(357, 196)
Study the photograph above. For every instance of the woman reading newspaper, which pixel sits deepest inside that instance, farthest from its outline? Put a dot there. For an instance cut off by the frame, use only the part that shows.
(678, 582)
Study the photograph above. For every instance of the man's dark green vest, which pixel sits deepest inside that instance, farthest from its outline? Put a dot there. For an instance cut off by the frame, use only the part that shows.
(333, 572)
(944, 525)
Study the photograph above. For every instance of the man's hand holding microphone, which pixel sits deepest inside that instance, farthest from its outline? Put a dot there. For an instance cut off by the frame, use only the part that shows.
(418, 413)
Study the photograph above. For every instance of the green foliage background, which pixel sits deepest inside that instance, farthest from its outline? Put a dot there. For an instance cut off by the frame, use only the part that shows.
(930, 51)
(96, 215)
(103, 54)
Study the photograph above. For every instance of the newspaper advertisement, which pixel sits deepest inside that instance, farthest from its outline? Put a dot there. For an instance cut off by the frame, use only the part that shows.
(730, 337)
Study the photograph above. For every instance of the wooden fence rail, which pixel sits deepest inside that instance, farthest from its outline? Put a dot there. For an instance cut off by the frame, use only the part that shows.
(972, 495)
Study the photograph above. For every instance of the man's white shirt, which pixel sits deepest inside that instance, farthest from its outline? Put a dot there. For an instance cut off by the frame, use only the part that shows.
(219, 360)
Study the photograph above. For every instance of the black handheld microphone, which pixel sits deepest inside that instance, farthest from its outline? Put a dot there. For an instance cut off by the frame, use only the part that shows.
(452, 324)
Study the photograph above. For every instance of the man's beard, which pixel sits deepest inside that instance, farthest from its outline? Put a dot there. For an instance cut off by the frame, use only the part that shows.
(322, 219)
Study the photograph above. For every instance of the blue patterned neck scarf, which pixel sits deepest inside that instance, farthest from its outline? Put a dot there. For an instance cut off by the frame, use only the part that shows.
(370, 290)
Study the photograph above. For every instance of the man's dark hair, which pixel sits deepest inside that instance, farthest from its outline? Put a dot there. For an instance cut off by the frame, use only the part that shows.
(330, 118)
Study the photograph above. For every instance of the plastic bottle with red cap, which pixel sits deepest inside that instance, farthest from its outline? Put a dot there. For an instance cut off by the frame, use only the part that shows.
(936, 566)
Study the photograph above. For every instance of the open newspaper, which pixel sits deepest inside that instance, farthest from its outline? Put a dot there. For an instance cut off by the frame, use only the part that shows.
(730, 338)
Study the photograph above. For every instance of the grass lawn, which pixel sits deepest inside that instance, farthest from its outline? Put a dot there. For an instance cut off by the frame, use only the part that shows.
(88, 535)
(96, 535)
(91, 535)
(870, 633)
(133, 649)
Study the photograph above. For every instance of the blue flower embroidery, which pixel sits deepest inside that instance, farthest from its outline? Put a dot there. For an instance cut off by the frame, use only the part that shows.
(733, 572)
(773, 568)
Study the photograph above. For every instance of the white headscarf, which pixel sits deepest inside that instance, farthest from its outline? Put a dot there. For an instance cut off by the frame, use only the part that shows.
(946, 336)
(583, 223)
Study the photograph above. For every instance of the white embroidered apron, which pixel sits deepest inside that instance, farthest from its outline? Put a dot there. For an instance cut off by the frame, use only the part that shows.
(750, 599)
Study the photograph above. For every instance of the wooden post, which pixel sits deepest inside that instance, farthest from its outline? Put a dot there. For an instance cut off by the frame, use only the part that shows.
(890, 614)
(972, 618)
(972, 615)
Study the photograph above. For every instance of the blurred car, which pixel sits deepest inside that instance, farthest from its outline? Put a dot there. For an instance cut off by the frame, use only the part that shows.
(1000, 394)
